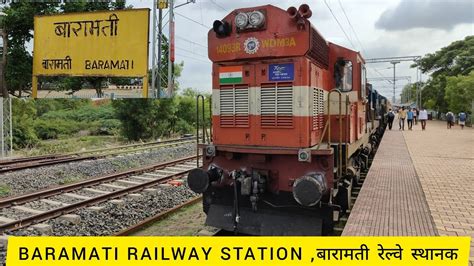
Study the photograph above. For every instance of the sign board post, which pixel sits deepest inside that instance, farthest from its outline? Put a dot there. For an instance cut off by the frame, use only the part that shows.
(92, 44)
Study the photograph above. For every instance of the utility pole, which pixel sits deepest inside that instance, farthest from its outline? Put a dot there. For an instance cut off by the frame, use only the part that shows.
(6, 139)
(394, 79)
(159, 77)
(160, 42)
(4, 49)
(153, 52)
(6, 134)
(171, 48)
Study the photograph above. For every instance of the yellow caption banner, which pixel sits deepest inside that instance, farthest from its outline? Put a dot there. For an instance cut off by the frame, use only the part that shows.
(239, 251)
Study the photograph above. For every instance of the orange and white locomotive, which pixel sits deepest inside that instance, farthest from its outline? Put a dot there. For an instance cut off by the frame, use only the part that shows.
(292, 126)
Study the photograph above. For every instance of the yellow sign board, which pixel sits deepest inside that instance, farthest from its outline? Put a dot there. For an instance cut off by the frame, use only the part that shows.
(103, 43)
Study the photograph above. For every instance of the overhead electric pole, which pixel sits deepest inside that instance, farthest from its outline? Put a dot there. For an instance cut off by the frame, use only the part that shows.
(394, 79)
(159, 75)
(171, 48)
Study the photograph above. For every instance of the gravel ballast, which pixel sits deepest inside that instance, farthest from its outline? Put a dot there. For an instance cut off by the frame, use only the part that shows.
(29, 180)
(113, 217)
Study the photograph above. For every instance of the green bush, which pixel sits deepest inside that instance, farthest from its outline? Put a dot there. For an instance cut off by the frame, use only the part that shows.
(52, 129)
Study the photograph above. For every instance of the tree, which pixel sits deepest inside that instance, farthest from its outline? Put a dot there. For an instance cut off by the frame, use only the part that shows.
(450, 61)
(23, 121)
(409, 92)
(460, 93)
(19, 26)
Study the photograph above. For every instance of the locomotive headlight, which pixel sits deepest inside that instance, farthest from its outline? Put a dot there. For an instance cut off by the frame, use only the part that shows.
(241, 20)
(257, 19)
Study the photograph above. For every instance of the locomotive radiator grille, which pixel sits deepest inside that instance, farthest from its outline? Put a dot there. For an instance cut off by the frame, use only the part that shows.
(319, 50)
(276, 105)
(234, 104)
(318, 109)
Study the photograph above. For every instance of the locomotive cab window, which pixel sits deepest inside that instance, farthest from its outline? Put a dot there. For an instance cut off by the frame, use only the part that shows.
(363, 82)
(343, 75)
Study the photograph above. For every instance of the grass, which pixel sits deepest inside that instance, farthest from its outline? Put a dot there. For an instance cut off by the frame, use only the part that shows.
(187, 221)
(72, 144)
(4, 190)
(69, 180)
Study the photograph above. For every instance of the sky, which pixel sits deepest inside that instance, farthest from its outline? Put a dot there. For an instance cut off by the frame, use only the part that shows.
(376, 28)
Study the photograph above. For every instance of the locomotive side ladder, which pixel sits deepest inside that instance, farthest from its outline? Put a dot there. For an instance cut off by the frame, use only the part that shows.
(201, 122)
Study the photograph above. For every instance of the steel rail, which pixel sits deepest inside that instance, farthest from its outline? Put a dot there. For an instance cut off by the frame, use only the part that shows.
(25, 163)
(158, 217)
(20, 223)
(21, 199)
(132, 146)
(29, 159)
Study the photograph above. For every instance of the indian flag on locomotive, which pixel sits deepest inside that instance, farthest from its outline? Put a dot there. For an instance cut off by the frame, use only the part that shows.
(232, 74)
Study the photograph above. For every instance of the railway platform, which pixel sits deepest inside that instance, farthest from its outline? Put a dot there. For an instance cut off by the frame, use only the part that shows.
(419, 184)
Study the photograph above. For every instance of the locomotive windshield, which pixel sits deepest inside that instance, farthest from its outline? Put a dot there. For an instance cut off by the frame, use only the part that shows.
(343, 75)
(363, 82)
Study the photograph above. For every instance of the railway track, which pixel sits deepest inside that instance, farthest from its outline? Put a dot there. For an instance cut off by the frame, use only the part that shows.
(339, 227)
(87, 193)
(39, 161)
(156, 218)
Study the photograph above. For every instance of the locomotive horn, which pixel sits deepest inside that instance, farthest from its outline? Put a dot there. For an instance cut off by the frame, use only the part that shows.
(305, 11)
(293, 12)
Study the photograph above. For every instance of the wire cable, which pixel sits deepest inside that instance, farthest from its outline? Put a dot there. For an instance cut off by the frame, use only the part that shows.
(340, 26)
(190, 41)
(190, 57)
(192, 20)
(221, 7)
(350, 24)
(189, 51)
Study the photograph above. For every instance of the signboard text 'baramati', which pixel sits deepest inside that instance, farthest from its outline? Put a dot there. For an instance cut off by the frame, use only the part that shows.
(105, 43)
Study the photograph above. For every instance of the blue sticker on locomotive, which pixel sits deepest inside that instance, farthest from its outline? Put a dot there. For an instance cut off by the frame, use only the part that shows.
(281, 72)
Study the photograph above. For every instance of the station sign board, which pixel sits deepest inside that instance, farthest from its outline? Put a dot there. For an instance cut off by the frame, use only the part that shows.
(103, 43)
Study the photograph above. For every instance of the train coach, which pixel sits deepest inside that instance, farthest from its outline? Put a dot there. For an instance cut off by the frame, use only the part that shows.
(293, 125)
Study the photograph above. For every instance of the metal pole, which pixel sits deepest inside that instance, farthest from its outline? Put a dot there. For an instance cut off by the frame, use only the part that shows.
(3, 86)
(394, 79)
(160, 41)
(393, 82)
(2, 128)
(170, 41)
(416, 90)
(11, 125)
(153, 53)
(421, 88)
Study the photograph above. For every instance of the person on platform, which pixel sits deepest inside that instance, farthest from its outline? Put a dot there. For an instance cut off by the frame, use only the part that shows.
(415, 114)
(402, 115)
(449, 120)
(423, 116)
(410, 119)
(462, 119)
(390, 118)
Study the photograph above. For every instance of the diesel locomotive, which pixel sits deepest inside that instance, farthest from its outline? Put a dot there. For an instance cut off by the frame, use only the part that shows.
(293, 125)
